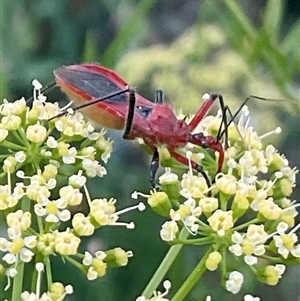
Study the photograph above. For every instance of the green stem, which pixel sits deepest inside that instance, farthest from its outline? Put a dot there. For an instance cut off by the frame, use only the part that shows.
(193, 278)
(245, 225)
(195, 241)
(74, 262)
(223, 252)
(40, 224)
(204, 226)
(13, 146)
(164, 266)
(273, 259)
(23, 138)
(18, 282)
(22, 141)
(48, 272)
(18, 279)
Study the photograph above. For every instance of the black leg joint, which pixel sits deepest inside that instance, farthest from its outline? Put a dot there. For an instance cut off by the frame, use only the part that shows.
(153, 168)
(205, 176)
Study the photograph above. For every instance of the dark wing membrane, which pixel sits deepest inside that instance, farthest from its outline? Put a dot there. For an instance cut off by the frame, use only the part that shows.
(86, 83)
(91, 83)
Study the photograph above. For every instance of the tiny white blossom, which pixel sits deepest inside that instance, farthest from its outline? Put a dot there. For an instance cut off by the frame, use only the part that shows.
(169, 230)
(234, 282)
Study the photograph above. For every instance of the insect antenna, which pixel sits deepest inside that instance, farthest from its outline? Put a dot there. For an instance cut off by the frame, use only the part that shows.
(90, 103)
(233, 116)
(221, 132)
(224, 109)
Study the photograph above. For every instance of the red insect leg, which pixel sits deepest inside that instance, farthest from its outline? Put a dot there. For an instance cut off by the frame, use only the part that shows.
(209, 141)
(202, 112)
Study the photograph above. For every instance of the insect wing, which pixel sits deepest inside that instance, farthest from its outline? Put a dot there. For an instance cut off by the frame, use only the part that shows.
(86, 82)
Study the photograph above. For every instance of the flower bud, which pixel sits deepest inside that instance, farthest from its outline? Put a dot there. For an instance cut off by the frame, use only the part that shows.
(227, 185)
(269, 209)
(208, 204)
(277, 163)
(117, 257)
(240, 205)
(36, 133)
(57, 290)
(271, 274)
(9, 164)
(12, 122)
(221, 221)
(170, 184)
(282, 188)
(213, 260)
(160, 203)
(3, 133)
(50, 171)
(46, 244)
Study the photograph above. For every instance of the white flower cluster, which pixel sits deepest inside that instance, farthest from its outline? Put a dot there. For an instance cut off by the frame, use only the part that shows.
(45, 164)
(247, 209)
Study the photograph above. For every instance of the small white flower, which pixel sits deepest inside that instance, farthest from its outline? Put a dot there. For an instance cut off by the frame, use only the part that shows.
(93, 168)
(78, 180)
(250, 260)
(234, 282)
(51, 142)
(87, 259)
(20, 156)
(251, 298)
(169, 230)
(70, 157)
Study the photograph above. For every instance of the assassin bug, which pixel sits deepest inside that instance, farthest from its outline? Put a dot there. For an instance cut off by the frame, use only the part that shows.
(120, 107)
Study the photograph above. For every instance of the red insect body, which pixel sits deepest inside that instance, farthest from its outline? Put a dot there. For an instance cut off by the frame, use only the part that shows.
(156, 123)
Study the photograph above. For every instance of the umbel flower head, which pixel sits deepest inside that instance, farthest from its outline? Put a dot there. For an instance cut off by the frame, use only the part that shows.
(247, 213)
(44, 166)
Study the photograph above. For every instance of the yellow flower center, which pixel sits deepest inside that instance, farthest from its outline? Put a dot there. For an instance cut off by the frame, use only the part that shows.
(247, 246)
(17, 245)
(51, 208)
(287, 241)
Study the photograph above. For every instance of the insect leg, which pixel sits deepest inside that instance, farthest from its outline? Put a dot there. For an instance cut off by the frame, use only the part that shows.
(233, 116)
(209, 101)
(182, 159)
(204, 110)
(154, 167)
(130, 113)
(159, 96)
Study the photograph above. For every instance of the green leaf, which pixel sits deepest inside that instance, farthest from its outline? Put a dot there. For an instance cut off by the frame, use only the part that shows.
(291, 41)
(241, 18)
(90, 47)
(129, 30)
(272, 18)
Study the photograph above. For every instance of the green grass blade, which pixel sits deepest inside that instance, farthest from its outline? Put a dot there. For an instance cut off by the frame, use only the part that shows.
(129, 30)
(273, 18)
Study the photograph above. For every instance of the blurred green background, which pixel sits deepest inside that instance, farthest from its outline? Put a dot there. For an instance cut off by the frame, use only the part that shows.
(186, 48)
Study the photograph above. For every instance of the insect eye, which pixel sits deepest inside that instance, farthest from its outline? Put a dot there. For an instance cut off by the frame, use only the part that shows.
(204, 144)
(144, 111)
